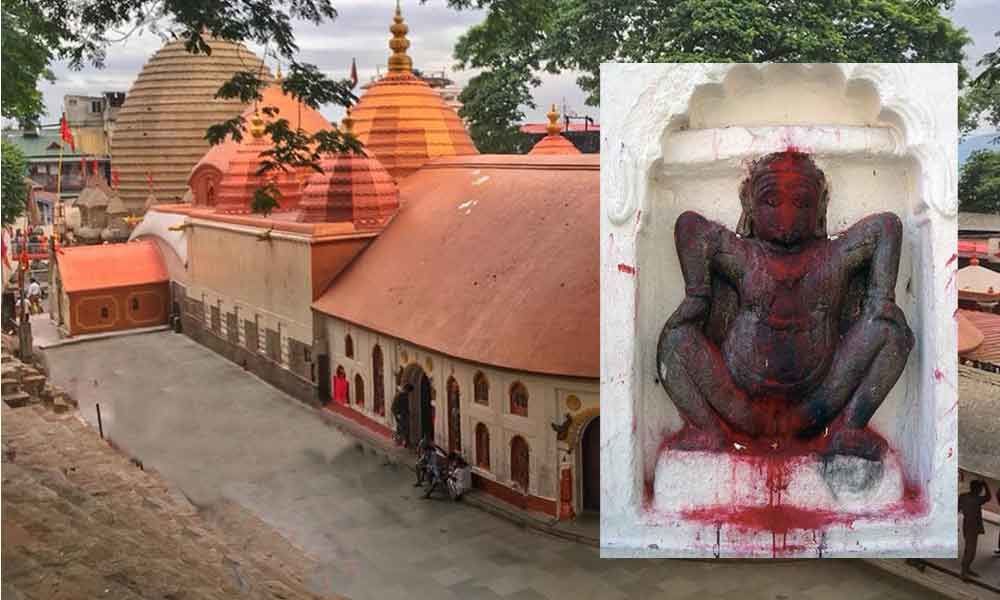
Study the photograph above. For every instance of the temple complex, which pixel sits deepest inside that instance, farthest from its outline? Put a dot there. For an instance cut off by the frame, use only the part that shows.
(472, 277)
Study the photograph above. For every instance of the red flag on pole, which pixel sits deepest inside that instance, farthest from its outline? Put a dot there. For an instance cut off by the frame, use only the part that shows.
(66, 134)
(354, 73)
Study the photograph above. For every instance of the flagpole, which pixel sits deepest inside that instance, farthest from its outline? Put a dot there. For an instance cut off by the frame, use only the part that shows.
(57, 217)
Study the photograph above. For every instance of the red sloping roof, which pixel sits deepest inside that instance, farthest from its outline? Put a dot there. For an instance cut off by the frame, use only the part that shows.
(86, 268)
(989, 325)
(492, 259)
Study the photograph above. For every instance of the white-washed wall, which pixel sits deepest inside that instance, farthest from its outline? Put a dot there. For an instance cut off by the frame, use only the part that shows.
(545, 406)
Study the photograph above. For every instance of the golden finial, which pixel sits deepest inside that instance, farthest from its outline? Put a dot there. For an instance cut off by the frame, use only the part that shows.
(256, 125)
(277, 75)
(348, 123)
(553, 126)
(399, 61)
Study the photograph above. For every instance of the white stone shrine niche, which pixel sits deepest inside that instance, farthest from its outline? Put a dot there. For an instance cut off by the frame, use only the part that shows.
(682, 137)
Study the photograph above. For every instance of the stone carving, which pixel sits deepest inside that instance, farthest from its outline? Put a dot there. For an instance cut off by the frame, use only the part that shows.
(786, 337)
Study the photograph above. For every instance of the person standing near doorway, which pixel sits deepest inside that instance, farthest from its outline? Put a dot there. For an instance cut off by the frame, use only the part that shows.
(970, 504)
(401, 413)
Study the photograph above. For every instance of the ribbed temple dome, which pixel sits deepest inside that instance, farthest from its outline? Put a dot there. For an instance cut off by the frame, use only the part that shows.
(240, 180)
(554, 142)
(402, 120)
(161, 127)
(352, 188)
(226, 177)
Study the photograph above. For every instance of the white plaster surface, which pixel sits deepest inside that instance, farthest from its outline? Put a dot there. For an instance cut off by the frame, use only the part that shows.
(850, 486)
(680, 137)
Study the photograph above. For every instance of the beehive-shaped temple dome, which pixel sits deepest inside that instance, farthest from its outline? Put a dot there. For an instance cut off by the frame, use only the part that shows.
(160, 133)
(352, 188)
(404, 121)
(554, 142)
(226, 177)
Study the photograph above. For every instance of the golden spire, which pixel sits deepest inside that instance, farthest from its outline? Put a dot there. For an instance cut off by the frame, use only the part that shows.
(553, 126)
(399, 61)
(278, 74)
(347, 122)
(256, 125)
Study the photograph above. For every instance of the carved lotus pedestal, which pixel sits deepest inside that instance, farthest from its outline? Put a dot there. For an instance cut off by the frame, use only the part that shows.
(776, 505)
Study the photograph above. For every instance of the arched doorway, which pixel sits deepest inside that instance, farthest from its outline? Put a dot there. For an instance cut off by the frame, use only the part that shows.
(421, 415)
(590, 465)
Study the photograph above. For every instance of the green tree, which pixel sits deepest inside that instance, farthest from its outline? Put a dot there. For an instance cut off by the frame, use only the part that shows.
(520, 38)
(28, 44)
(14, 193)
(981, 101)
(979, 186)
(80, 31)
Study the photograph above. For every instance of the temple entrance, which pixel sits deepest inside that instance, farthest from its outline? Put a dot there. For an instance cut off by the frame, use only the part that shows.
(590, 465)
(323, 381)
(421, 412)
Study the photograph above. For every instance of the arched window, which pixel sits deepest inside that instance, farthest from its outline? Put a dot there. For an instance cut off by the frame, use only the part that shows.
(454, 417)
(482, 447)
(519, 462)
(378, 381)
(482, 389)
(348, 346)
(518, 399)
(359, 390)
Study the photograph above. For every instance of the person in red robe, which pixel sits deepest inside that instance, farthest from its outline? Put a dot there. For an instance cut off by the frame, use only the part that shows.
(341, 387)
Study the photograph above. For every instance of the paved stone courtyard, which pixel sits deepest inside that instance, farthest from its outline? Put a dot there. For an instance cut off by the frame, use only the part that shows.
(222, 435)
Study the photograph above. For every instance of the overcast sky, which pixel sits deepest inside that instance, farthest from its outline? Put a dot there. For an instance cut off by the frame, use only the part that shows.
(362, 31)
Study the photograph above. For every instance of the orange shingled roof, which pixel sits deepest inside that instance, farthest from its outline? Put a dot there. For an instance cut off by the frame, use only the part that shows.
(554, 144)
(86, 268)
(988, 324)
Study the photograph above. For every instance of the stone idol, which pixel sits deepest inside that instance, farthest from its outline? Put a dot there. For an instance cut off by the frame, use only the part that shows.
(778, 335)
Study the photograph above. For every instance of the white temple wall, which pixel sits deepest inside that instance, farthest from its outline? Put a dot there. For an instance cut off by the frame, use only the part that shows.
(546, 401)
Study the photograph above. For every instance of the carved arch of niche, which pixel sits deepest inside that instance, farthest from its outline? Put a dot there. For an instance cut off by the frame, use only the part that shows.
(635, 163)
(204, 184)
(579, 425)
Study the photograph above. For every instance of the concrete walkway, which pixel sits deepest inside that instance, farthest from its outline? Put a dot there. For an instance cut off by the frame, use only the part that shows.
(221, 434)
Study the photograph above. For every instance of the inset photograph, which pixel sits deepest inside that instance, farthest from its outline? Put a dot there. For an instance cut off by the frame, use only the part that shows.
(779, 357)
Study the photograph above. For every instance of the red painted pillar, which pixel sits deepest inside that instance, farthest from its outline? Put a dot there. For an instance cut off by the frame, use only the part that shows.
(566, 494)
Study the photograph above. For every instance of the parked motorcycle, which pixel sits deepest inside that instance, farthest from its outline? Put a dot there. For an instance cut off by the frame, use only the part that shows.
(437, 468)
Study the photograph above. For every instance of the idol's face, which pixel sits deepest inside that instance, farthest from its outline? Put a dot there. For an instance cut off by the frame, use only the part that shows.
(785, 204)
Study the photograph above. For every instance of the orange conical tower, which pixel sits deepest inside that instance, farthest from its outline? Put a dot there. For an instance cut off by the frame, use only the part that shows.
(352, 188)
(554, 142)
(402, 120)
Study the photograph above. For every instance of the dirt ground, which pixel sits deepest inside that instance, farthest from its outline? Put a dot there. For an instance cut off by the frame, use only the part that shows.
(82, 521)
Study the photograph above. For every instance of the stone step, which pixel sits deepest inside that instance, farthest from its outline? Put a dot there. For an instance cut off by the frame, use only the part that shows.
(10, 386)
(33, 384)
(17, 399)
(60, 405)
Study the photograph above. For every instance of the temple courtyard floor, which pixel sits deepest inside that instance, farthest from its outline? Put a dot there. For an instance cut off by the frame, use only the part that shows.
(341, 520)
